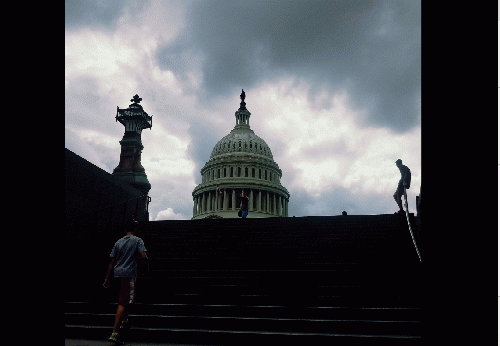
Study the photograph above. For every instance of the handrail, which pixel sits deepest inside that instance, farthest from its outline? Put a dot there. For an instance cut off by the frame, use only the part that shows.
(409, 225)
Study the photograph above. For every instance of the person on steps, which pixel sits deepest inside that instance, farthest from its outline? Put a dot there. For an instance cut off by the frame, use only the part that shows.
(123, 265)
(244, 205)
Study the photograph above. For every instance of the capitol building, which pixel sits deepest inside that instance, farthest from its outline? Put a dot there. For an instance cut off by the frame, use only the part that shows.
(240, 161)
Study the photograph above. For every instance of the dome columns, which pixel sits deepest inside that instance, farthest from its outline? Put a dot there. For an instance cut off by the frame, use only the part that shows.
(262, 203)
(261, 183)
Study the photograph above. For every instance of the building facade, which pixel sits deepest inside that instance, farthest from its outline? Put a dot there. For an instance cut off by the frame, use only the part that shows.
(240, 161)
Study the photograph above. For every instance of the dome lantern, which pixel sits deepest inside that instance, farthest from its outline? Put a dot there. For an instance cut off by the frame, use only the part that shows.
(242, 114)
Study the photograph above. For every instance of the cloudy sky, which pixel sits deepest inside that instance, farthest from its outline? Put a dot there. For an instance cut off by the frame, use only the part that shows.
(333, 88)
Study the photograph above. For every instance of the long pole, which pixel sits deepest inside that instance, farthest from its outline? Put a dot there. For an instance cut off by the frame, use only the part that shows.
(409, 225)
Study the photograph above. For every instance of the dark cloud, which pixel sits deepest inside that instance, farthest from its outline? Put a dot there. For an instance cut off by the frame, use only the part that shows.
(96, 13)
(372, 48)
(204, 137)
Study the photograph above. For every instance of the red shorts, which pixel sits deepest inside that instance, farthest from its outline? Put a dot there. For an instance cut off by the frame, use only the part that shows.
(127, 291)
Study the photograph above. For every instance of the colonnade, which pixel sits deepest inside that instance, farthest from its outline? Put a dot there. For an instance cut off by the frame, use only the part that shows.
(240, 171)
(262, 201)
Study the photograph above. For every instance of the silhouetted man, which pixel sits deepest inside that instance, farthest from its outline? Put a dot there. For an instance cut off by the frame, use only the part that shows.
(403, 182)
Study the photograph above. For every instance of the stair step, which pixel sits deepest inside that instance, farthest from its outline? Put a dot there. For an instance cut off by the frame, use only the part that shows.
(230, 336)
(348, 277)
(364, 312)
(251, 324)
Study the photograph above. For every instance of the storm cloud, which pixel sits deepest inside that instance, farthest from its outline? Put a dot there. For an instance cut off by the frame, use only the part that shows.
(370, 48)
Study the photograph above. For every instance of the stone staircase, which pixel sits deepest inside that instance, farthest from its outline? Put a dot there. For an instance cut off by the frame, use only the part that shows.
(233, 281)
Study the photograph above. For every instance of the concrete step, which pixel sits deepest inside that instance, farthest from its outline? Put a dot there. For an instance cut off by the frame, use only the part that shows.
(258, 319)
(259, 280)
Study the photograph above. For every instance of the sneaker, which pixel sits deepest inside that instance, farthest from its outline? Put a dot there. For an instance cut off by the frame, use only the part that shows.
(115, 338)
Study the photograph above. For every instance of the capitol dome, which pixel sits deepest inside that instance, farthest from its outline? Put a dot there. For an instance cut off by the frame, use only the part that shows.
(240, 161)
(241, 142)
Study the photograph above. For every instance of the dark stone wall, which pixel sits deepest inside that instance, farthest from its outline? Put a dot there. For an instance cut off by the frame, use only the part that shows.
(97, 202)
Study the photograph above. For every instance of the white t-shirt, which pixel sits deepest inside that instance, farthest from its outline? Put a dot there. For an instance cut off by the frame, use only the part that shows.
(125, 251)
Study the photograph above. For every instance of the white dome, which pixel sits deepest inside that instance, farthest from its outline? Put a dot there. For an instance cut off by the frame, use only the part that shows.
(240, 162)
(241, 141)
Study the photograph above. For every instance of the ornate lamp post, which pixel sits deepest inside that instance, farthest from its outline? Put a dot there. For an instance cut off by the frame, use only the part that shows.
(130, 170)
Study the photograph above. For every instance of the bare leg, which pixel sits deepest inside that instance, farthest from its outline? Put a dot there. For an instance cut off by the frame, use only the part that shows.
(398, 201)
(121, 315)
